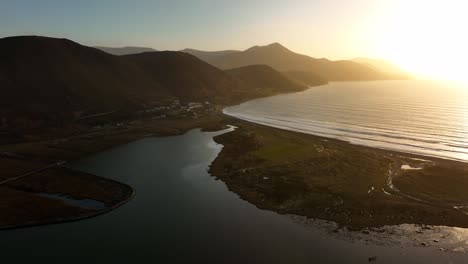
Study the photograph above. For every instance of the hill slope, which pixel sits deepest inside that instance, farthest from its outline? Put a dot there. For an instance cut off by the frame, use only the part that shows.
(209, 55)
(49, 82)
(57, 77)
(183, 75)
(52, 82)
(264, 79)
(282, 59)
(383, 66)
(125, 50)
(305, 77)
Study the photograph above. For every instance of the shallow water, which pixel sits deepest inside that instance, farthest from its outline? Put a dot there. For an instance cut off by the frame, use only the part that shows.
(83, 203)
(181, 214)
(421, 117)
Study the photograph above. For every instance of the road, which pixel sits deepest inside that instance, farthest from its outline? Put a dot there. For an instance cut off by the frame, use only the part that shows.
(55, 164)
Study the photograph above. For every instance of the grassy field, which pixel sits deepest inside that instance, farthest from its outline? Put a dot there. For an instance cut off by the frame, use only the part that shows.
(355, 186)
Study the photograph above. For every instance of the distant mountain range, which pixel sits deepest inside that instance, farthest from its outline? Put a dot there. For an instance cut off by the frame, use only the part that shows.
(383, 66)
(209, 55)
(265, 80)
(303, 68)
(282, 59)
(125, 50)
(49, 81)
(183, 76)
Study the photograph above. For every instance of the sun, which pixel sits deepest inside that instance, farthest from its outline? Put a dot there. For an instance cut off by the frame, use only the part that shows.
(428, 38)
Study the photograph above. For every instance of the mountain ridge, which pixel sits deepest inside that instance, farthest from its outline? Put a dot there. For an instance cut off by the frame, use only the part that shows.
(50, 82)
(383, 66)
(127, 50)
(268, 79)
(208, 55)
(282, 59)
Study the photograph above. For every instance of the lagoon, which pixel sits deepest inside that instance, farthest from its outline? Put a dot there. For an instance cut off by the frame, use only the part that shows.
(181, 214)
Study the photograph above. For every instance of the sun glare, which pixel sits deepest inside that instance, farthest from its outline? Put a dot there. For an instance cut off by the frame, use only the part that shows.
(427, 38)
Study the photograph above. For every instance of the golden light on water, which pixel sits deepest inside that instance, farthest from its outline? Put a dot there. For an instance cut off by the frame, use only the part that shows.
(428, 38)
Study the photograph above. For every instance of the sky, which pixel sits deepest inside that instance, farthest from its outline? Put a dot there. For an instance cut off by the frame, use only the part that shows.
(318, 28)
(402, 31)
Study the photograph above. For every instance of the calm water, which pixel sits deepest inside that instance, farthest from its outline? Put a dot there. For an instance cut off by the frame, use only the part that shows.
(182, 215)
(422, 117)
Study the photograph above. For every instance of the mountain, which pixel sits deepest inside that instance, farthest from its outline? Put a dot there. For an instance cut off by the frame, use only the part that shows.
(282, 59)
(54, 79)
(209, 55)
(305, 77)
(383, 66)
(265, 79)
(184, 76)
(50, 82)
(189, 78)
(125, 50)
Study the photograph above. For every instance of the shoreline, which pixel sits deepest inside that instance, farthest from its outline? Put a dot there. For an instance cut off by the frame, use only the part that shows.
(422, 155)
(75, 147)
(27, 170)
(415, 155)
(217, 122)
(61, 220)
(388, 146)
(382, 193)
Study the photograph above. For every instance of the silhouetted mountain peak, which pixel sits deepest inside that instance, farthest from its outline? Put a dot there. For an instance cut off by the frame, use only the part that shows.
(51, 82)
(188, 50)
(276, 45)
(273, 47)
(33, 38)
(27, 41)
(38, 47)
(125, 50)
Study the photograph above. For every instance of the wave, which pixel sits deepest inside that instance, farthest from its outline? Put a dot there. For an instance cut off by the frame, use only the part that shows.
(421, 125)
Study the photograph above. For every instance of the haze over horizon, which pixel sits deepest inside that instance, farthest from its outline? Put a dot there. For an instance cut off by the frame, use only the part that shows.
(403, 32)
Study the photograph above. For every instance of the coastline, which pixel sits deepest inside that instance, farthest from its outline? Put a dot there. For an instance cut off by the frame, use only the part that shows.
(357, 187)
(28, 174)
(128, 195)
(238, 144)
(31, 158)
(319, 111)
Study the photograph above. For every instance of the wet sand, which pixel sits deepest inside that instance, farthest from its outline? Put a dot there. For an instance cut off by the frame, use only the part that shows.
(293, 173)
(328, 185)
(357, 187)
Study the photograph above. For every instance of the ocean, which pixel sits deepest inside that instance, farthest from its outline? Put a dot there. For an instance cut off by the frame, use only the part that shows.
(413, 116)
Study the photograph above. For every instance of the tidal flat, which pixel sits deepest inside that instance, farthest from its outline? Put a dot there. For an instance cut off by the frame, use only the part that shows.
(355, 186)
(324, 195)
(287, 172)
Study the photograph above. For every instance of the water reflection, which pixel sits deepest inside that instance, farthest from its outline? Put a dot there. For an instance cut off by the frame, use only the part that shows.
(422, 117)
(181, 214)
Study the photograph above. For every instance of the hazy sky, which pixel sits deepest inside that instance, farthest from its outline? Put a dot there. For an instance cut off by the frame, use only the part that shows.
(321, 28)
(424, 36)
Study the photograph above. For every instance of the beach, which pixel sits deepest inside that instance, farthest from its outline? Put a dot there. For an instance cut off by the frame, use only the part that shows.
(355, 186)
